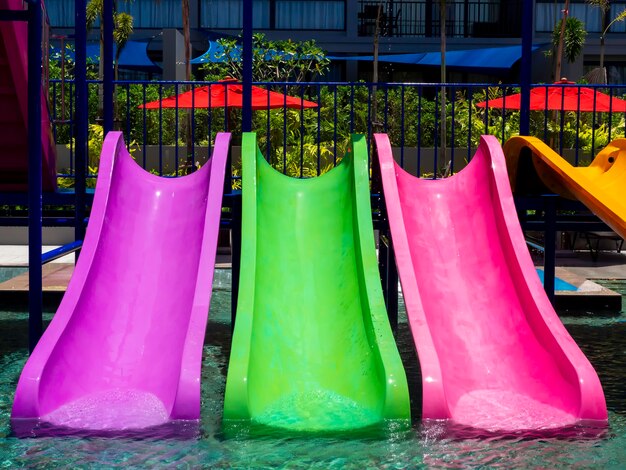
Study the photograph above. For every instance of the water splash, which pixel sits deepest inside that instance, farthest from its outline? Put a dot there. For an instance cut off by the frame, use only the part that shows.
(318, 410)
(117, 409)
(506, 410)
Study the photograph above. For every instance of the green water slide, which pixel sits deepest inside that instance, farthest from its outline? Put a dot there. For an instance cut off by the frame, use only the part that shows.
(312, 347)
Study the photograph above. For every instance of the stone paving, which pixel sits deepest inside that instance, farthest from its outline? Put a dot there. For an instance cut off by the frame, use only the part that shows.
(572, 266)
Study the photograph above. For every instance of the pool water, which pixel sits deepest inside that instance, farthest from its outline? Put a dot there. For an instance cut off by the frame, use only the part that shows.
(603, 339)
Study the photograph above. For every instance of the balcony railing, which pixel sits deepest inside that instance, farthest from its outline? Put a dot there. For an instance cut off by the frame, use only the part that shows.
(421, 18)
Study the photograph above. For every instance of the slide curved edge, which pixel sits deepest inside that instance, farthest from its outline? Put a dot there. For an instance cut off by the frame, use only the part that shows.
(548, 167)
(592, 402)
(236, 394)
(434, 403)
(397, 402)
(236, 401)
(572, 182)
(603, 161)
(26, 402)
(187, 402)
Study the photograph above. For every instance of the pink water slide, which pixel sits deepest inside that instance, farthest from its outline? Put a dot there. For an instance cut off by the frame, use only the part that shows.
(14, 109)
(493, 353)
(124, 349)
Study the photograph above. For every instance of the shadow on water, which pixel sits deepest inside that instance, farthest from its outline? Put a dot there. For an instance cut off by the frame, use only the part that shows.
(443, 429)
(14, 328)
(391, 429)
(31, 428)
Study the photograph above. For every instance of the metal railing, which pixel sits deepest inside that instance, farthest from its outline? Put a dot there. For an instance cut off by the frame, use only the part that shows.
(421, 18)
(305, 142)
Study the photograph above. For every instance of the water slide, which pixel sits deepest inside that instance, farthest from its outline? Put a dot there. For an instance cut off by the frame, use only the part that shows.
(124, 349)
(14, 106)
(535, 168)
(493, 353)
(312, 347)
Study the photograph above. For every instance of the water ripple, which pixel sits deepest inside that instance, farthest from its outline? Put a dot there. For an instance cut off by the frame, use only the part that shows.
(433, 444)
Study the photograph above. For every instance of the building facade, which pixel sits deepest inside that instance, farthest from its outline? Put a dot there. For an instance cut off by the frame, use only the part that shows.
(347, 27)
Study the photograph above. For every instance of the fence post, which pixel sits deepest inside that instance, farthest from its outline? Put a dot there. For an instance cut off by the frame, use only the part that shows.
(235, 227)
(246, 112)
(107, 66)
(35, 299)
(81, 116)
(526, 65)
(549, 259)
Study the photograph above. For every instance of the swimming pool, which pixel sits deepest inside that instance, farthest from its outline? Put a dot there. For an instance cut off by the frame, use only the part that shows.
(602, 339)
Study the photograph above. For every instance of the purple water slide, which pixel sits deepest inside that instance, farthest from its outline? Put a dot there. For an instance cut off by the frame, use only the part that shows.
(124, 349)
(493, 353)
(14, 106)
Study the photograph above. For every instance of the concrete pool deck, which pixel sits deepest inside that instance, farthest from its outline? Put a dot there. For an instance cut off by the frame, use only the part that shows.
(576, 268)
(17, 256)
(609, 265)
(55, 275)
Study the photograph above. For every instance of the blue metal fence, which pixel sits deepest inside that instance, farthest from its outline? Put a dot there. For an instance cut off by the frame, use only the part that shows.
(308, 142)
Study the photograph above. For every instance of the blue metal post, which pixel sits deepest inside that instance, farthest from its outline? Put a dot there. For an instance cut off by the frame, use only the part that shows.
(107, 65)
(235, 256)
(246, 112)
(246, 126)
(549, 259)
(81, 114)
(526, 70)
(35, 302)
(392, 283)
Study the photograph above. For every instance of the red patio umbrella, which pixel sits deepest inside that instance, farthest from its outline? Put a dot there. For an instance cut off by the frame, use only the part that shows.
(565, 98)
(229, 94)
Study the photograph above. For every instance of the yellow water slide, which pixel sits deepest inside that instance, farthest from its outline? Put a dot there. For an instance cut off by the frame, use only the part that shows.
(534, 168)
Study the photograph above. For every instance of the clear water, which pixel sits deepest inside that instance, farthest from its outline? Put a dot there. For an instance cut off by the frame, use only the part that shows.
(437, 445)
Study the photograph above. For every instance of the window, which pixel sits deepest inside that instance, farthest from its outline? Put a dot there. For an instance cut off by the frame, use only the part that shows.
(145, 13)
(299, 14)
(275, 14)
(60, 13)
(151, 14)
(548, 14)
(464, 18)
(227, 14)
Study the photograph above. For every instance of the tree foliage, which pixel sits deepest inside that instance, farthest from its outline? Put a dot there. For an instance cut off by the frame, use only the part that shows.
(122, 26)
(122, 23)
(272, 61)
(573, 40)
